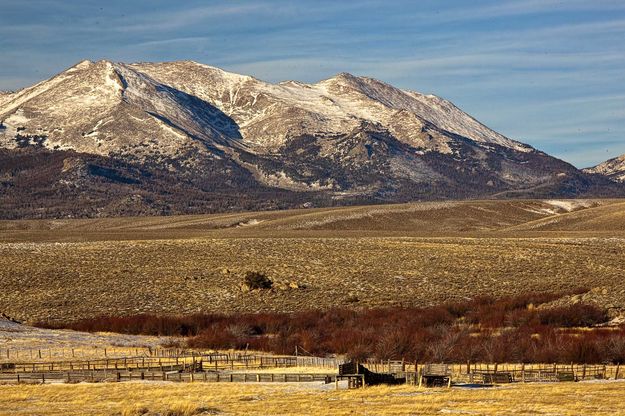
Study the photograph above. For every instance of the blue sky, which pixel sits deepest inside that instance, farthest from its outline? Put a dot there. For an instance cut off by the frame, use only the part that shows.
(548, 73)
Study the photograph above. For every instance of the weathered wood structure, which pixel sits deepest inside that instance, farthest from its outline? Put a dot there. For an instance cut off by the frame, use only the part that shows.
(435, 375)
(357, 375)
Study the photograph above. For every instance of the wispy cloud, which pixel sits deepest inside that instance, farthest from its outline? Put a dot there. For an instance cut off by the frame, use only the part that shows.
(185, 18)
(549, 72)
(513, 8)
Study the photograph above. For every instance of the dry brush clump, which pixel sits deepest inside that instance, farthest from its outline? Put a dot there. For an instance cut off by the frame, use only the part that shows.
(509, 329)
(257, 280)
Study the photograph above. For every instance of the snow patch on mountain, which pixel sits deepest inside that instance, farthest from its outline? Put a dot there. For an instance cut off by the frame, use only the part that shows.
(613, 169)
(104, 108)
(268, 115)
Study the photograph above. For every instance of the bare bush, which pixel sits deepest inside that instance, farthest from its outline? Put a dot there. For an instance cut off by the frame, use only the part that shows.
(257, 280)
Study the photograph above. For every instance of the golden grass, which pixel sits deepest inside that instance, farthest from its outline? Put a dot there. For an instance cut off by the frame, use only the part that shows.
(280, 399)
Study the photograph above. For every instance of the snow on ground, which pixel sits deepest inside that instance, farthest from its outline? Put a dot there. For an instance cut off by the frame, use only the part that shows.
(16, 336)
(571, 204)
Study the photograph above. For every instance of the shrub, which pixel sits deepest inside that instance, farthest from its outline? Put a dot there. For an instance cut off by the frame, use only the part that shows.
(257, 280)
(573, 316)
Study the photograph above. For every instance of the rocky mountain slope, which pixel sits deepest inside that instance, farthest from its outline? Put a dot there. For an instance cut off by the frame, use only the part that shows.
(104, 138)
(613, 169)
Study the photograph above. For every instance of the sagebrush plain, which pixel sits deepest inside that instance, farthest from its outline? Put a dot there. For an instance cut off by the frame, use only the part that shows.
(362, 257)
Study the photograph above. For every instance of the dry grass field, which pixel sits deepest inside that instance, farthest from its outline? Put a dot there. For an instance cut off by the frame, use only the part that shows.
(137, 398)
(411, 254)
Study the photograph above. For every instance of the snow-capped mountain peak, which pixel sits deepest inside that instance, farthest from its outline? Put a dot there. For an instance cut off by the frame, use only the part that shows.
(345, 137)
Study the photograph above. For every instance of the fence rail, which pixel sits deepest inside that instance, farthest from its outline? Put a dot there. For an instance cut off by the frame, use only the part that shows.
(112, 376)
(184, 362)
(580, 371)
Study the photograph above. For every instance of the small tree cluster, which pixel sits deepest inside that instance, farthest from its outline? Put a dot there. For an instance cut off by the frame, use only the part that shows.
(513, 329)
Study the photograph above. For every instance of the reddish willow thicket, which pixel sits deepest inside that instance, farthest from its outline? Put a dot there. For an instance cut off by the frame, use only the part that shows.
(485, 329)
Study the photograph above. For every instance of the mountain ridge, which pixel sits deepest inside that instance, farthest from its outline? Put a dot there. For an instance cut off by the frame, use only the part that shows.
(140, 128)
(613, 169)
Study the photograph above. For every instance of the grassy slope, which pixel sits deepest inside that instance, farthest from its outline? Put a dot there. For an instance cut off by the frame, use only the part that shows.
(607, 218)
(427, 218)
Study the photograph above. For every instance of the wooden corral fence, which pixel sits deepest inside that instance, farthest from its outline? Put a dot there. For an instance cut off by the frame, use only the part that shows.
(170, 362)
(183, 365)
(174, 376)
(168, 366)
(357, 375)
(498, 373)
(97, 356)
(434, 375)
(58, 354)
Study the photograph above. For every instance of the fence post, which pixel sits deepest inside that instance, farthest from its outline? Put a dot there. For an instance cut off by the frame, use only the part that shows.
(416, 373)
(420, 375)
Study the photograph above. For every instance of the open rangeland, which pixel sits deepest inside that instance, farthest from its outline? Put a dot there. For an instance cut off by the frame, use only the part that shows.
(137, 398)
(356, 258)
(372, 256)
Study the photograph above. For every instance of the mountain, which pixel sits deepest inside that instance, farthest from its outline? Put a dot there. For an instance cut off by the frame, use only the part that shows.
(105, 138)
(613, 169)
